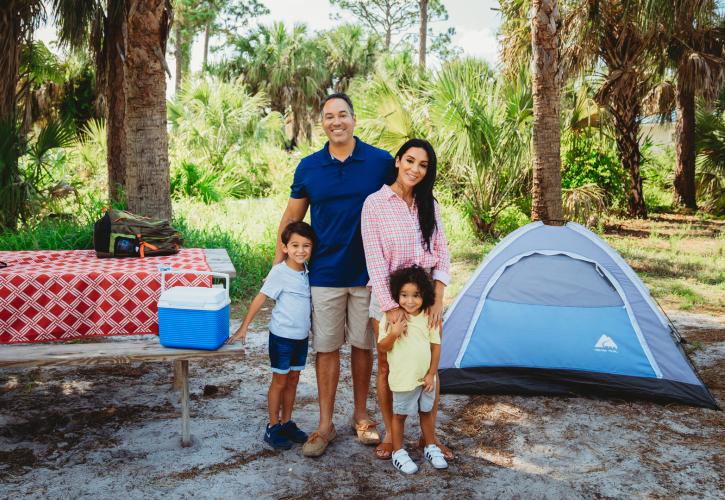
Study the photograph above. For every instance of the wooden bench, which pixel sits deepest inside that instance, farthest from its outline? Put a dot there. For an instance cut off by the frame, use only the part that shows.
(118, 350)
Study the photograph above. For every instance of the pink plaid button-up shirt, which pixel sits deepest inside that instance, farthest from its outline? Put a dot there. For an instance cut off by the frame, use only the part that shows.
(392, 239)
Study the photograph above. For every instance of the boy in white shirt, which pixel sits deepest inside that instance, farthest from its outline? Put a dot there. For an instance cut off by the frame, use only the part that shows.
(289, 329)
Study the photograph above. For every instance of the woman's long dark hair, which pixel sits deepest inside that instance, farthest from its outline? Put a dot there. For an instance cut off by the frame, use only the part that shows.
(423, 191)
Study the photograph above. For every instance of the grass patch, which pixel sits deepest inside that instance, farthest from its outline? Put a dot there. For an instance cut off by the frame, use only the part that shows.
(681, 258)
(50, 235)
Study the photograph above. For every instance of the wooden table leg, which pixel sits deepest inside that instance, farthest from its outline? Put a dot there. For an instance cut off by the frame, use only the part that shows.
(184, 376)
(176, 381)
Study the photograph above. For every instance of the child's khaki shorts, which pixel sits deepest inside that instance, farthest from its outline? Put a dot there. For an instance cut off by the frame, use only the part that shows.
(339, 314)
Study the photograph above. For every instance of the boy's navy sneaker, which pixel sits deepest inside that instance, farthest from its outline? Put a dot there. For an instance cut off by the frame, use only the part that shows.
(293, 433)
(273, 436)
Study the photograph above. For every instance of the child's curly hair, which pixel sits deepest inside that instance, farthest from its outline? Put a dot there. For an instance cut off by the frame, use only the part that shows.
(417, 276)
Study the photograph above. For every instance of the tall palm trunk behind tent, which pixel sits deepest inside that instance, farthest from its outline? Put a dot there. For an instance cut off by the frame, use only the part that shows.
(685, 145)
(147, 174)
(546, 195)
(626, 110)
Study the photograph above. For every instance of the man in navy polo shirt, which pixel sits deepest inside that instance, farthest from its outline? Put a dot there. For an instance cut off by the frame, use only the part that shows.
(334, 183)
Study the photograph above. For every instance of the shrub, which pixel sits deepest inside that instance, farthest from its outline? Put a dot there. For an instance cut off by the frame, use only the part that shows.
(586, 165)
(217, 132)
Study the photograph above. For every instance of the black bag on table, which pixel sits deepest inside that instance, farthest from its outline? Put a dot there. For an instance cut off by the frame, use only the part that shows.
(123, 234)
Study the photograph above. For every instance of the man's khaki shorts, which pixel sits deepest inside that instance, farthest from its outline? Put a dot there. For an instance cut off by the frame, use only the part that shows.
(339, 314)
(374, 311)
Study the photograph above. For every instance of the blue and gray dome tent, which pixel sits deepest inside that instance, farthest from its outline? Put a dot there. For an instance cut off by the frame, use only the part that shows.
(556, 310)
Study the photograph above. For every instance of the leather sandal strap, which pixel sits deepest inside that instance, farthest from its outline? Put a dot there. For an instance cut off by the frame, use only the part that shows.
(364, 426)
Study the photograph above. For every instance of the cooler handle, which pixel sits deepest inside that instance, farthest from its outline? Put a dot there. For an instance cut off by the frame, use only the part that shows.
(203, 273)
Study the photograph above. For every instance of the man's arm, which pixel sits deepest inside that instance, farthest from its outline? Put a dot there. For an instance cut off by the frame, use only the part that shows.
(295, 212)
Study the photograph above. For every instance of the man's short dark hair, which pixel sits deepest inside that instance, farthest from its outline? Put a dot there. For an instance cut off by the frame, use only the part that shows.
(338, 95)
(417, 276)
(301, 228)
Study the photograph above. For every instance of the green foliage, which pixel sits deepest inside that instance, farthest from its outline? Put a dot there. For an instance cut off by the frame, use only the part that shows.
(89, 157)
(657, 175)
(287, 66)
(78, 96)
(710, 133)
(584, 203)
(483, 130)
(349, 52)
(584, 165)
(219, 133)
(26, 180)
(510, 219)
(391, 107)
(55, 88)
(480, 125)
(52, 234)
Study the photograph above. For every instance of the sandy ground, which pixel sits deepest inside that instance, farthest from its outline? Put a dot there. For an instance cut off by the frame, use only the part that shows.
(112, 432)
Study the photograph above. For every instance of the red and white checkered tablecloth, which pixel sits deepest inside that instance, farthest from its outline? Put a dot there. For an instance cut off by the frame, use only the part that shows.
(70, 294)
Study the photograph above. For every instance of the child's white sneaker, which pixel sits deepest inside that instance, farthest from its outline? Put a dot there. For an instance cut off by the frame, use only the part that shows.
(435, 456)
(404, 463)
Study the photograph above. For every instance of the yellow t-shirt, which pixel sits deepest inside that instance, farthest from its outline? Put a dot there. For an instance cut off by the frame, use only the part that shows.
(409, 360)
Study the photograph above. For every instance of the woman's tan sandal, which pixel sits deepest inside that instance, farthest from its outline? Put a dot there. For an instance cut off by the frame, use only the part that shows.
(366, 431)
(317, 443)
(447, 452)
(384, 451)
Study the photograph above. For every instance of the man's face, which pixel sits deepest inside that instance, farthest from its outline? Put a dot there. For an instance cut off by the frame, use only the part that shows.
(338, 122)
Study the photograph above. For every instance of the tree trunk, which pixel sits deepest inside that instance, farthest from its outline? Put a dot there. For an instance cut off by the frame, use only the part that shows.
(423, 34)
(147, 171)
(207, 34)
(10, 34)
(626, 110)
(115, 88)
(9, 59)
(685, 193)
(179, 55)
(388, 37)
(546, 196)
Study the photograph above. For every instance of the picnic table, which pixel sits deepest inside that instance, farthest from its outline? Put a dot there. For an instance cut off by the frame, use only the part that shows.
(141, 348)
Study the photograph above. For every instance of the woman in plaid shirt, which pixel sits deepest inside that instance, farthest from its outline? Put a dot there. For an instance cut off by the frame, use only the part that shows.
(401, 227)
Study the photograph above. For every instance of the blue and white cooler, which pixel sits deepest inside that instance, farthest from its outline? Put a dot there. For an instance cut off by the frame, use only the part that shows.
(193, 317)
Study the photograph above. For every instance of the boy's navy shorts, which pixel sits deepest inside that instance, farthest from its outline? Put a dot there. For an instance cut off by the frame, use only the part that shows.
(287, 354)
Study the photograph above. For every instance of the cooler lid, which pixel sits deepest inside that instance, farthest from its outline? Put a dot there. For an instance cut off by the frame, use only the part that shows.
(194, 297)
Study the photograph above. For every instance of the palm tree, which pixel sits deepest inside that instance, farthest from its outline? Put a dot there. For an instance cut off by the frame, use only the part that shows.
(147, 168)
(710, 127)
(546, 201)
(349, 52)
(482, 126)
(128, 40)
(18, 20)
(288, 67)
(612, 37)
(693, 36)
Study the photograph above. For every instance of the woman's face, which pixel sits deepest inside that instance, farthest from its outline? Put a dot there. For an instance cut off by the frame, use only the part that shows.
(412, 167)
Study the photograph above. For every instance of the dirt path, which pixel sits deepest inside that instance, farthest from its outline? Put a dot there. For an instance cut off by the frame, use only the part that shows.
(114, 431)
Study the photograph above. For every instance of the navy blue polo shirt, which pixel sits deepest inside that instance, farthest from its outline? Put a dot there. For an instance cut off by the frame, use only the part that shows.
(336, 191)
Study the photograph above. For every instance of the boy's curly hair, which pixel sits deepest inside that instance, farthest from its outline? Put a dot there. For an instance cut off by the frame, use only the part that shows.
(417, 276)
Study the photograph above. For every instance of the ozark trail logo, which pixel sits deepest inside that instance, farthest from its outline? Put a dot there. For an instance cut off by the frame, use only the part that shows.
(606, 344)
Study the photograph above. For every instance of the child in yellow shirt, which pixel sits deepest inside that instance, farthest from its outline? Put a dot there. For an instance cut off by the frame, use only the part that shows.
(413, 350)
